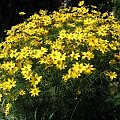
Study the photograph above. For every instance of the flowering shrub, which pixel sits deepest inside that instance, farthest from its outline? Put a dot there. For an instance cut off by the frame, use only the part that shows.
(51, 64)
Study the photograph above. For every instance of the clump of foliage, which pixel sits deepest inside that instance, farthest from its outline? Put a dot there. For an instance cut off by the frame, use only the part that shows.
(116, 9)
(61, 66)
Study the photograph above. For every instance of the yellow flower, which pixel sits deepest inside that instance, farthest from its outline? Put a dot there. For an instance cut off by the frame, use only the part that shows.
(5, 86)
(8, 65)
(9, 84)
(88, 69)
(43, 12)
(57, 58)
(75, 71)
(43, 50)
(13, 53)
(93, 6)
(12, 82)
(62, 34)
(104, 14)
(34, 91)
(26, 69)
(60, 64)
(35, 79)
(0, 97)
(89, 55)
(27, 75)
(81, 3)
(24, 53)
(21, 92)
(117, 56)
(58, 25)
(78, 67)
(65, 77)
(39, 52)
(111, 75)
(55, 55)
(7, 108)
(22, 13)
(74, 55)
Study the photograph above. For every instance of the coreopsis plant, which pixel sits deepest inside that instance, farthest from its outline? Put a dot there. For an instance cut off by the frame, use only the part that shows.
(51, 64)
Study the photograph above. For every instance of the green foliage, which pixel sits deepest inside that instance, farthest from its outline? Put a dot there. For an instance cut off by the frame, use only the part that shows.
(116, 9)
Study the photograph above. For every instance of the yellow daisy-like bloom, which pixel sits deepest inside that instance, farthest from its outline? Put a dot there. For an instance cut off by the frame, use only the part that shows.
(26, 68)
(5, 86)
(38, 53)
(35, 91)
(89, 69)
(8, 84)
(74, 55)
(21, 92)
(89, 55)
(35, 80)
(75, 71)
(12, 82)
(111, 75)
(8, 65)
(13, 53)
